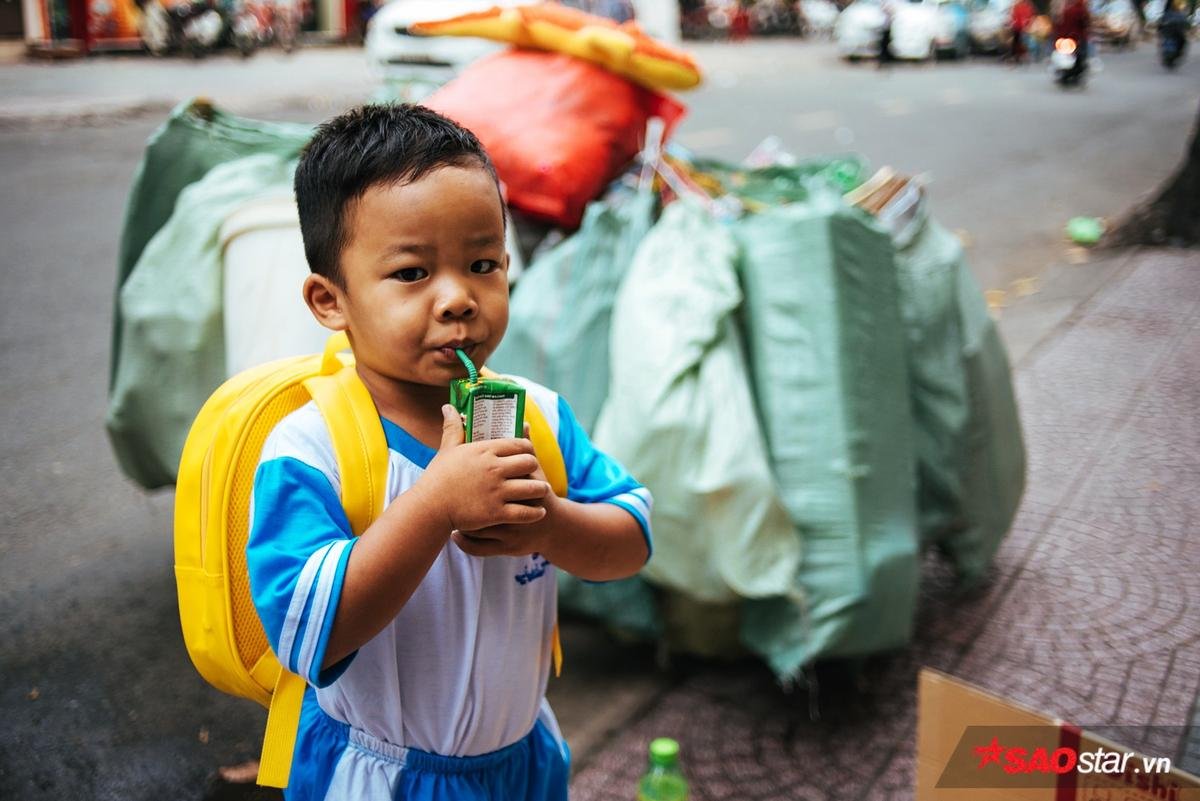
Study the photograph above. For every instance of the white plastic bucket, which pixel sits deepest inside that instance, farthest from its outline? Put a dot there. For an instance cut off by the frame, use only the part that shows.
(264, 268)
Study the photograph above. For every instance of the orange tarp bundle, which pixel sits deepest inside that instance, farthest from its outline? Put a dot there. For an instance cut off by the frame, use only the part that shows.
(623, 49)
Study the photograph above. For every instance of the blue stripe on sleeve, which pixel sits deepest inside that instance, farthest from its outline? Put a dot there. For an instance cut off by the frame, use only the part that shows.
(296, 629)
(316, 676)
(299, 542)
(595, 477)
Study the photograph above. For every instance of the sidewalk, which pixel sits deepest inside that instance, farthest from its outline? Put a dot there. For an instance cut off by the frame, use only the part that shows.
(1092, 614)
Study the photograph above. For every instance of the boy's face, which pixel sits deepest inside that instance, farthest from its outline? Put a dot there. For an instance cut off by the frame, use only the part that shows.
(425, 271)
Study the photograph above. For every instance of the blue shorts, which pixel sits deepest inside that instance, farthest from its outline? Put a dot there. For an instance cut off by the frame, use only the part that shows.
(334, 762)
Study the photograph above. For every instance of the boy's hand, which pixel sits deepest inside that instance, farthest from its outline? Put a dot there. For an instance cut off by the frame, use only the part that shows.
(476, 485)
(509, 540)
(505, 540)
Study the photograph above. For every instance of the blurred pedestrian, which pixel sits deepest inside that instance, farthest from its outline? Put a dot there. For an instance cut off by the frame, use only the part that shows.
(365, 10)
(1019, 22)
(885, 34)
(1039, 36)
(1173, 27)
(739, 25)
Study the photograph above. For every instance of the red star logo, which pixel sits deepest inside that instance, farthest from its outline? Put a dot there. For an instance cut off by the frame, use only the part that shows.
(989, 753)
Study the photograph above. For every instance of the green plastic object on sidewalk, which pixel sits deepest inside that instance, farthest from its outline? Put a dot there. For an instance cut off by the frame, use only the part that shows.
(1085, 230)
(663, 780)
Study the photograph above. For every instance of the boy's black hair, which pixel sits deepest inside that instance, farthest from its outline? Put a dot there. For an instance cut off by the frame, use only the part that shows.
(370, 145)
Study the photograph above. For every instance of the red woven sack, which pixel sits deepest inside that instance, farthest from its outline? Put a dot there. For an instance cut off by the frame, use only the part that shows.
(557, 128)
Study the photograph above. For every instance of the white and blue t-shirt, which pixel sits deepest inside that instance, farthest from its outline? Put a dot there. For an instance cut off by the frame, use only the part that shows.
(462, 669)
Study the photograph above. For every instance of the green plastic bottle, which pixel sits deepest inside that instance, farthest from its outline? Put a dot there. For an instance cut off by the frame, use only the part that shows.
(663, 781)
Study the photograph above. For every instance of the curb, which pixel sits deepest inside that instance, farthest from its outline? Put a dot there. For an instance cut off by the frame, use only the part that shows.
(67, 113)
(80, 115)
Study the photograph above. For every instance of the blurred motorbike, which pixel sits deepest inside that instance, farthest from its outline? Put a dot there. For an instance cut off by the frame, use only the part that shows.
(191, 25)
(260, 23)
(774, 18)
(247, 30)
(1065, 61)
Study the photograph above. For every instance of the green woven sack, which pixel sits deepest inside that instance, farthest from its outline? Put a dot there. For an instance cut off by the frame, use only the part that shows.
(561, 310)
(171, 343)
(194, 139)
(679, 415)
(994, 469)
(558, 335)
(970, 454)
(151, 391)
(827, 357)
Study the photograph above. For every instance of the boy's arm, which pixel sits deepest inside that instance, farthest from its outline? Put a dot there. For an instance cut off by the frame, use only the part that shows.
(469, 486)
(595, 541)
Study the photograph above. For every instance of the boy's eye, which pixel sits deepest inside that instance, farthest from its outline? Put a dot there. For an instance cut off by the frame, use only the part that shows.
(485, 266)
(410, 274)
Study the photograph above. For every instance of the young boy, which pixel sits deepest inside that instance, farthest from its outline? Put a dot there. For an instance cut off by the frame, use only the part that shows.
(426, 641)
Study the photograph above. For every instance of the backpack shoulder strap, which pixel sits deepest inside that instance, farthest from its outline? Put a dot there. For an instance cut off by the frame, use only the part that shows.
(549, 456)
(362, 458)
(283, 724)
(357, 436)
(545, 446)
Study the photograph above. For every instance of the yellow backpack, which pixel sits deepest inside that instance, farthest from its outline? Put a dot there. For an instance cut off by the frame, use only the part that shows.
(221, 628)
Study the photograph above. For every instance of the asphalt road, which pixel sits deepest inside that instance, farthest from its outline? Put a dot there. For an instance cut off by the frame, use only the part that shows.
(97, 696)
(1011, 156)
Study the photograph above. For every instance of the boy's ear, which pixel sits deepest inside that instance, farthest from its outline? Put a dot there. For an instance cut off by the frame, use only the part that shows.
(324, 299)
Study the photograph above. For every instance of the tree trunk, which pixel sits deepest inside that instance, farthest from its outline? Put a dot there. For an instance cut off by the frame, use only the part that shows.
(1172, 215)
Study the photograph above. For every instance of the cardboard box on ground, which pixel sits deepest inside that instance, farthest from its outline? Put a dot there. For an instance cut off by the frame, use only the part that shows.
(956, 720)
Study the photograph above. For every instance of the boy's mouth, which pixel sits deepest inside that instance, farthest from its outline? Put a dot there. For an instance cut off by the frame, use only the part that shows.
(447, 353)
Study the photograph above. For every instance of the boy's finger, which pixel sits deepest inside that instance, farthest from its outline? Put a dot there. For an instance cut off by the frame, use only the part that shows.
(452, 427)
(482, 534)
(510, 446)
(478, 547)
(525, 490)
(518, 466)
(522, 514)
(525, 429)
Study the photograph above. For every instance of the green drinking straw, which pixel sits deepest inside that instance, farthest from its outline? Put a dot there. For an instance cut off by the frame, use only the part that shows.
(472, 373)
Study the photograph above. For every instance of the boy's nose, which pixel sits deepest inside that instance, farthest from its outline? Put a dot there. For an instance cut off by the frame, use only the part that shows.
(457, 304)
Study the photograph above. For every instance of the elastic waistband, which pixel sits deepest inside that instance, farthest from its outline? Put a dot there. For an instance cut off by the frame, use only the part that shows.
(416, 759)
